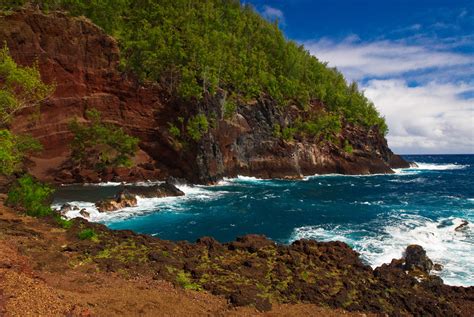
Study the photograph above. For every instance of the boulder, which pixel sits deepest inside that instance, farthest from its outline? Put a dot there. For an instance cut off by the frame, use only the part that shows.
(416, 259)
(84, 213)
(462, 226)
(122, 200)
(157, 191)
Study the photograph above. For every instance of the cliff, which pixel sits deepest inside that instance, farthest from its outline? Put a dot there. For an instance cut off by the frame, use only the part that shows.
(84, 64)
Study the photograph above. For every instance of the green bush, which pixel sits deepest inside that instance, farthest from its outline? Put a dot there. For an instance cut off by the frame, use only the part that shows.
(184, 279)
(88, 234)
(13, 149)
(323, 125)
(20, 87)
(63, 223)
(230, 108)
(174, 130)
(197, 126)
(31, 196)
(101, 145)
(348, 147)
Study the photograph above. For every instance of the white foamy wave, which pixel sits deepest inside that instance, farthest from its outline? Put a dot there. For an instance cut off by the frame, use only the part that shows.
(443, 244)
(437, 167)
(144, 205)
(115, 184)
(249, 179)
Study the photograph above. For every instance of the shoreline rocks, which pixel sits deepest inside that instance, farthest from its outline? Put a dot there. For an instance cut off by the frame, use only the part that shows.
(128, 196)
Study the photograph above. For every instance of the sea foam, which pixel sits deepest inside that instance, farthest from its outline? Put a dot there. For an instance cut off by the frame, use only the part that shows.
(443, 244)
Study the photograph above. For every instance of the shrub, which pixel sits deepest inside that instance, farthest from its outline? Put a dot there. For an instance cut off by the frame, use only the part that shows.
(197, 126)
(348, 147)
(100, 144)
(13, 149)
(31, 196)
(230, 107)
(88, 234)
(20, 87)
(174, 130)
(184, 279)
(288, 133)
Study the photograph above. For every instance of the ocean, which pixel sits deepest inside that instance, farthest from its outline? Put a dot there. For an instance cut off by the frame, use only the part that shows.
(378, 215)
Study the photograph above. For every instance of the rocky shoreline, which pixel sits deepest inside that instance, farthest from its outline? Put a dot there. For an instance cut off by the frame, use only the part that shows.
(253, 270)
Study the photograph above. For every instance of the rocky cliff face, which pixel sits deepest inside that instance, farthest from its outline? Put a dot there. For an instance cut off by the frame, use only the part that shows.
(83, 63)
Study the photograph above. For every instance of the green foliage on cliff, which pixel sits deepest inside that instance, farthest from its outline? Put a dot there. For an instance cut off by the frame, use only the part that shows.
(31, 196)
(195, 47)
(197, 126)
(13, 149)
(21, 87)
(101, 144)
(88, 234)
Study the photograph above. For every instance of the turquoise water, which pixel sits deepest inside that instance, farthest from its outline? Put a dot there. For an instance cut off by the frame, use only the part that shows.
(378, 215)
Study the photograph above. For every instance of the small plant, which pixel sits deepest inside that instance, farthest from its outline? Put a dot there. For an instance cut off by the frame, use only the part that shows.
(348, 147)
(13, 149)
(31, 196)
(174, 130)
(63, 223)
(277, 131)
(230, 108)
(197, 126)
(288, 133)
(88, 234)
(184, 279)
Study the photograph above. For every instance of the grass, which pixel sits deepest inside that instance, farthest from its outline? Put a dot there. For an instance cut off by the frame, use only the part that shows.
(88, 234)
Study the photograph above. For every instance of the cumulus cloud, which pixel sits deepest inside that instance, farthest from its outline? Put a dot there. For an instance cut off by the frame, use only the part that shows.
(271, 13)
(433, 118)
(424, 90)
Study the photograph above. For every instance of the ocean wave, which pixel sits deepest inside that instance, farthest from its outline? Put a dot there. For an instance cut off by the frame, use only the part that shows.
(144, 205)
(115, 184)
(437, 167)
(443, 244)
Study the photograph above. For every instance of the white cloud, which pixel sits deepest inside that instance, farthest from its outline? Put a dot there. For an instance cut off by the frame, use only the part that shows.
(358, 60)
(272, 13)
(431, 117)
(426, 119)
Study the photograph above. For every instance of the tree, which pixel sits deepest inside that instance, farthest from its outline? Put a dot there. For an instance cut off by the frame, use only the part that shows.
(98, 145)
(20, 87)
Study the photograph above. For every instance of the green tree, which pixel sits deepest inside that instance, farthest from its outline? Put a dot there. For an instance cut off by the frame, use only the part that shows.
(20, 88)
(97, 144)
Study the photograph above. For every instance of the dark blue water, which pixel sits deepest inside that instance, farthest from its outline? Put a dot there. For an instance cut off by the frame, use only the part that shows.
(378, 215)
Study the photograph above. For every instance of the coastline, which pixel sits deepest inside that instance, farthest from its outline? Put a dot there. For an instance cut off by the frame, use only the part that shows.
(251, 271)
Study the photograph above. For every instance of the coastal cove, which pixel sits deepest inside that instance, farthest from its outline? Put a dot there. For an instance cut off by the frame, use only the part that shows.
(377, 215)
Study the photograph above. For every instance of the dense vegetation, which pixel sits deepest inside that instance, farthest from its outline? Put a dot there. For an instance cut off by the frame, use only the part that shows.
(196, 47)
(31, 196)
(97, 144)
(20, 88)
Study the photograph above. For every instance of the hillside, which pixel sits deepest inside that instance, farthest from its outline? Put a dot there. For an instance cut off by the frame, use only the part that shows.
(199, 138)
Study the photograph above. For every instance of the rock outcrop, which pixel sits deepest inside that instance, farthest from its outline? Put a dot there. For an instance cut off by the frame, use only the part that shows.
(83, 63)
(127, 197)
(122, 200)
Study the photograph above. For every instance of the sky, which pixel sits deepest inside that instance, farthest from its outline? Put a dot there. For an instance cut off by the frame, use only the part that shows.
(413, 58)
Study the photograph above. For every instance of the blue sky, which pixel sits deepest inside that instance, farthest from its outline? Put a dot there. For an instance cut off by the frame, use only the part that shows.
(414, 59)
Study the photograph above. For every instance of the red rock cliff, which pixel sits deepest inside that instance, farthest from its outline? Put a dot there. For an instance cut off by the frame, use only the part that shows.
(83, 63)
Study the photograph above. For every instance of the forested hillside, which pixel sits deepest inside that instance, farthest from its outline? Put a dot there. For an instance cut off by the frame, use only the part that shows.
(197, 47)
